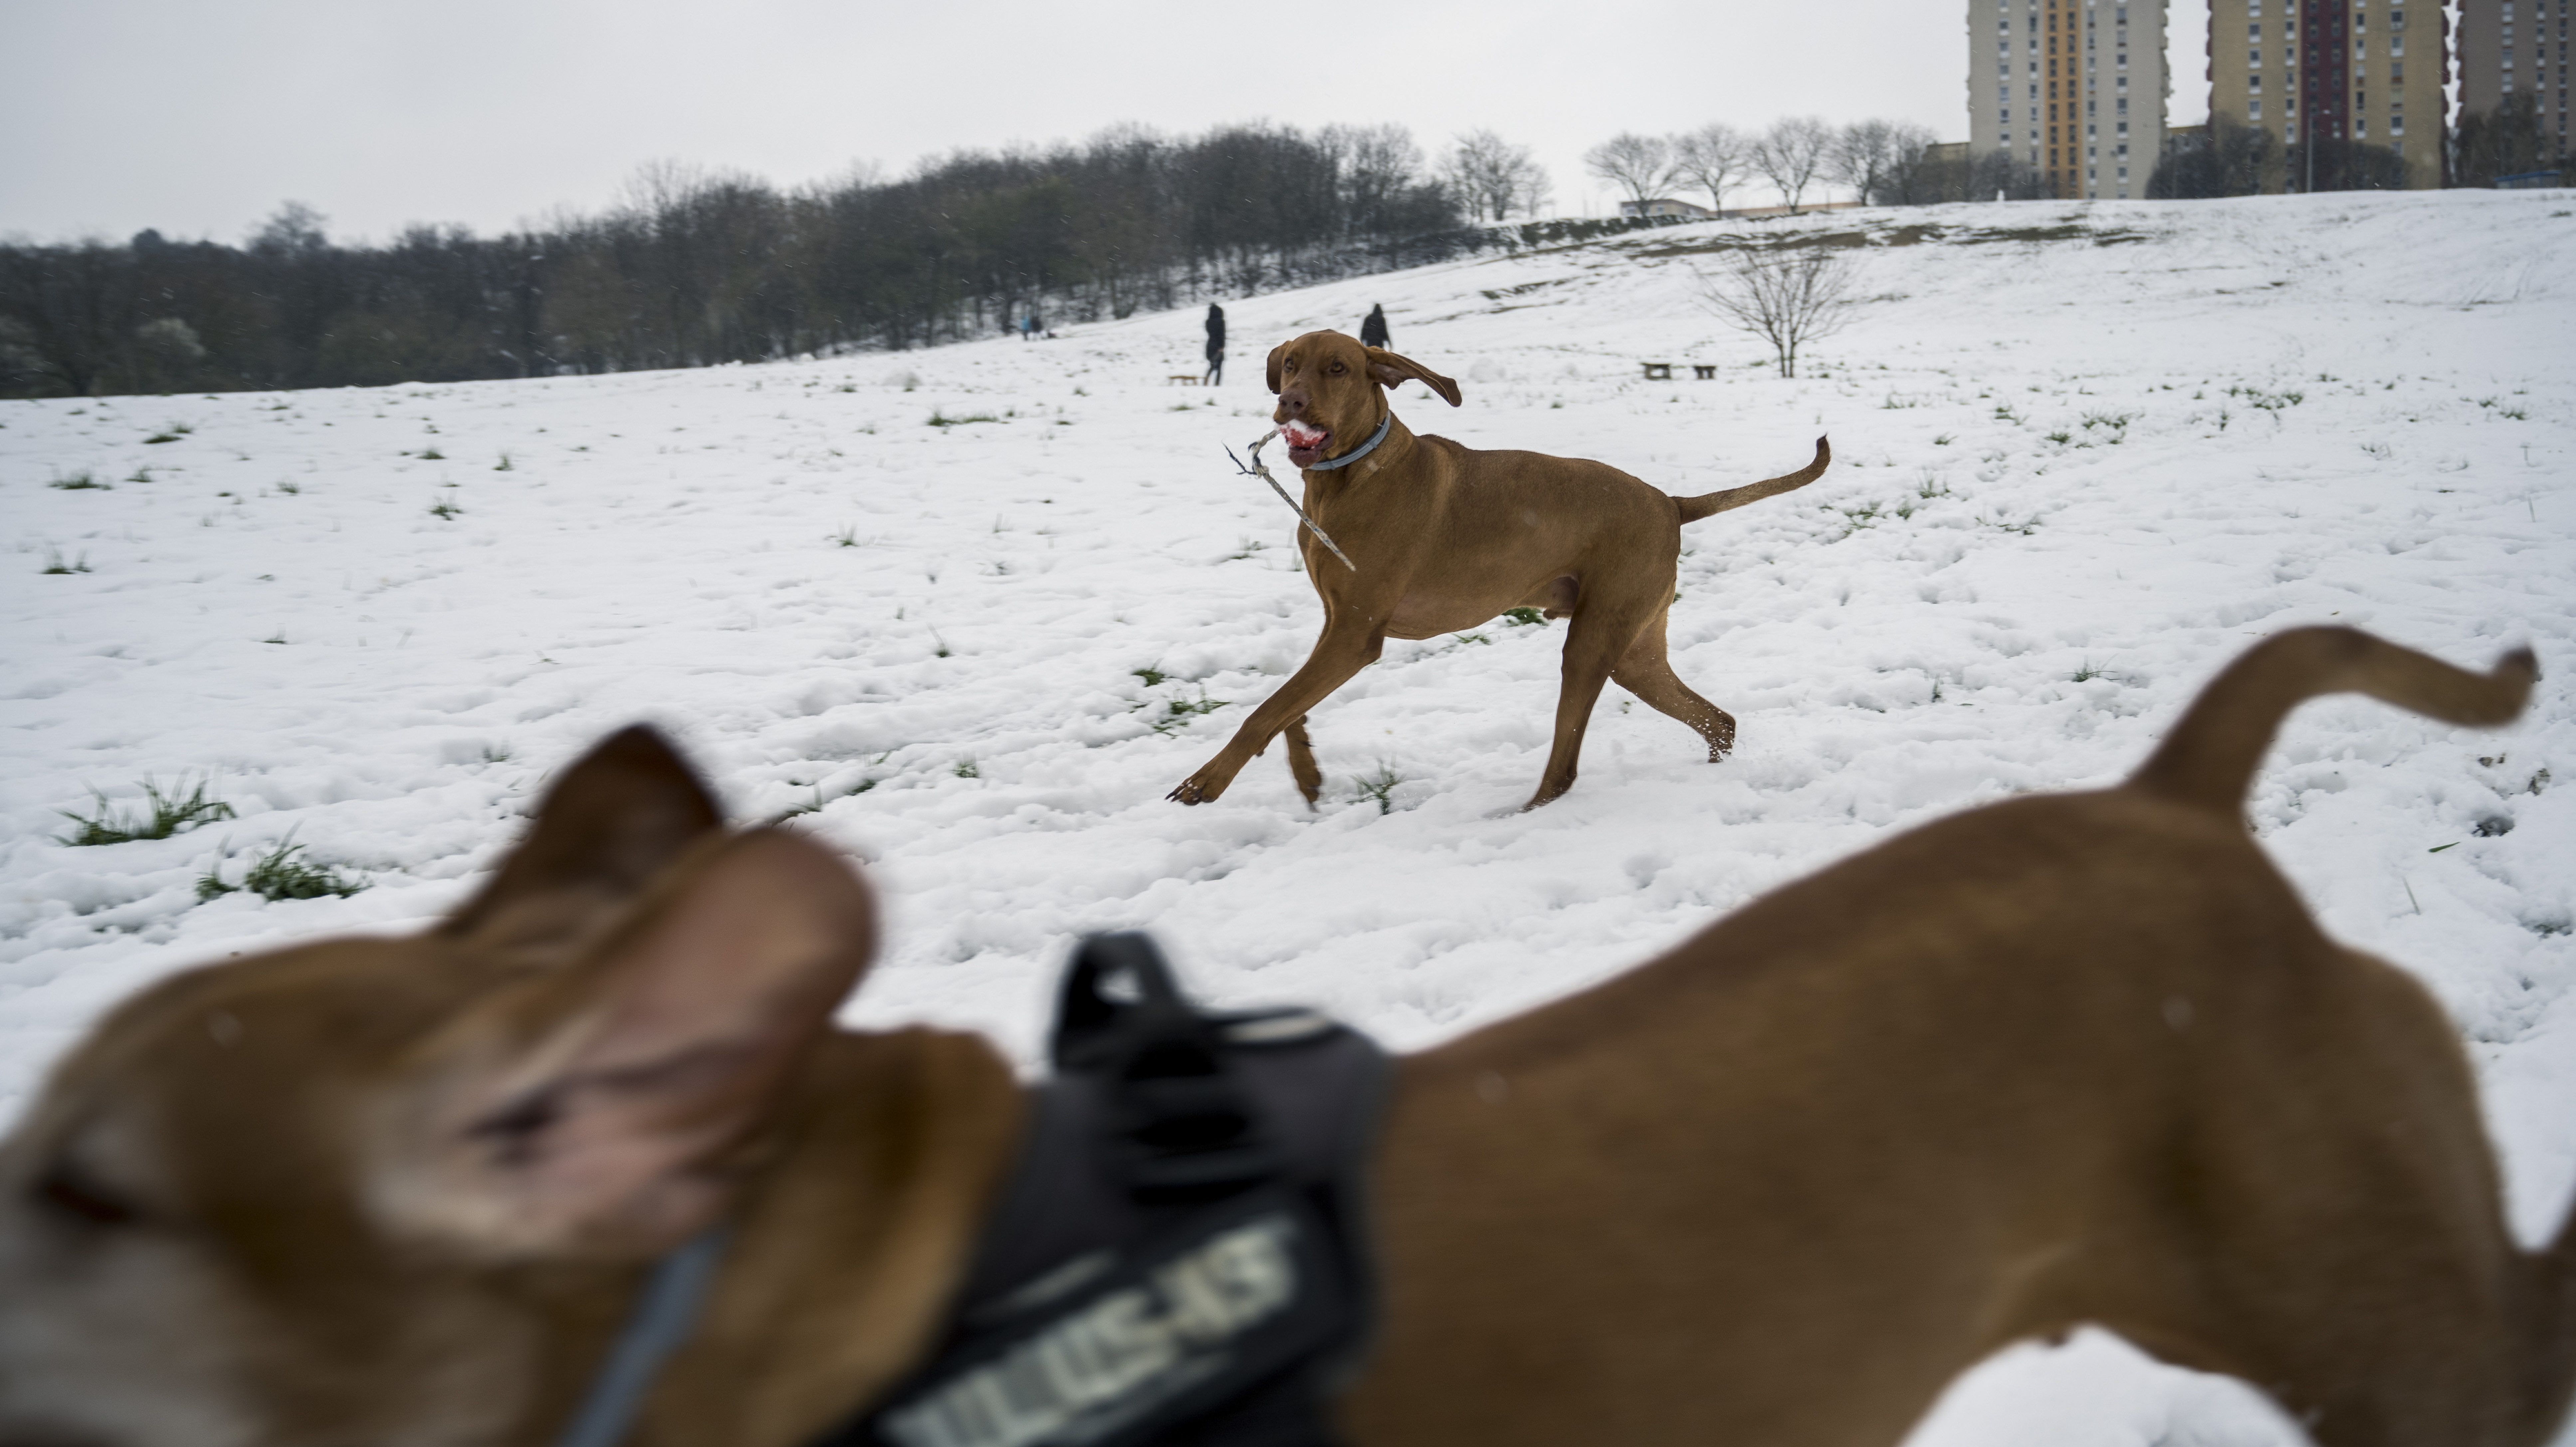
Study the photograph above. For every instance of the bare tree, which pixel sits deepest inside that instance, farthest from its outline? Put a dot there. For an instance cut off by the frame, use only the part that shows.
(1792, 154)
(1712, 158)
(1787, 296)
(1495, 177)
(1912, 177)
(1640, 166)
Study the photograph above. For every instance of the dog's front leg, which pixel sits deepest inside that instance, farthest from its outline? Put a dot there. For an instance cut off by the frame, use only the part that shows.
(1345, 649)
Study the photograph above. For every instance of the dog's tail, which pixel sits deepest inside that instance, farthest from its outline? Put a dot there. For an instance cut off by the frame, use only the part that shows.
(1707, 503)
(2210, 757)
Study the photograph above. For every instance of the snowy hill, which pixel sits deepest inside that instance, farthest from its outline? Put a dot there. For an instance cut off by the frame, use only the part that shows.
(985, 605)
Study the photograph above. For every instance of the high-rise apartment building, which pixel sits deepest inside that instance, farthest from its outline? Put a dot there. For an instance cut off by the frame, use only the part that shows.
(2334, 70)
(2073, 89)
(2505, 53)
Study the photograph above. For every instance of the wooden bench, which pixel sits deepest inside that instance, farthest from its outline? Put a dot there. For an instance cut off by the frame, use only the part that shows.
(1183, 379)
(1705, 371)
(1659, 371)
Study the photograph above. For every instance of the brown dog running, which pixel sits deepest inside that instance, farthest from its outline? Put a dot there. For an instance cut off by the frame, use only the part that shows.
(1445, 537)
(2068, 1059)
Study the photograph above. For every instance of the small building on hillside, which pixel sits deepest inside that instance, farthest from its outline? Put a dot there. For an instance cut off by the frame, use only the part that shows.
(1664, 207)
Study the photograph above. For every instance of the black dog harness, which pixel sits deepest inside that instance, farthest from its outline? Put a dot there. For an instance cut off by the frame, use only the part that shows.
(1178, 1259)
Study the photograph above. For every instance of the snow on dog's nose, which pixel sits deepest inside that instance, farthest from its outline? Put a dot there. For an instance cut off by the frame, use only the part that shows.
(1305, 442)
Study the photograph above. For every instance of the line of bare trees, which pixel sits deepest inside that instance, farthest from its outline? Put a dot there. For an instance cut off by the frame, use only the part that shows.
(1884, 163)
(694, 268)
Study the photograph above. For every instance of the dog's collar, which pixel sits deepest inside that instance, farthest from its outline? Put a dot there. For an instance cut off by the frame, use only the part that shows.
(1356, 453)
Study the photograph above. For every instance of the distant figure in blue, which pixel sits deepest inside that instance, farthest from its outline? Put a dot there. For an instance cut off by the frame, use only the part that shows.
(1373, 328)
(1215, 347)
(1029, 325)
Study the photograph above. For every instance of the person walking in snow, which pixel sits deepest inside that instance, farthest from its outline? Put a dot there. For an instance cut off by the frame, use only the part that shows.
(1029, 325)
(1373, 328)
(1215, 347)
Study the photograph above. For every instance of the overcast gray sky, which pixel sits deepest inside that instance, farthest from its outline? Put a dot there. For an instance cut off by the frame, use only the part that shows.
(200, 118)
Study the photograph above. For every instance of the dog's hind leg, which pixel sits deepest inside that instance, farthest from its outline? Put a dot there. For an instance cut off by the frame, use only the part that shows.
(1603, 631)
(1301, 762)
(1645, 672)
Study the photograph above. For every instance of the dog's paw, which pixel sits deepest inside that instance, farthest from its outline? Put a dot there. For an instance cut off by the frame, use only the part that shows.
(1195, 790)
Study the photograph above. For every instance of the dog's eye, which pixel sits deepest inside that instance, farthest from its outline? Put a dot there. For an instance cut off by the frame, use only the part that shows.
(1337, 369)
(68, 1191)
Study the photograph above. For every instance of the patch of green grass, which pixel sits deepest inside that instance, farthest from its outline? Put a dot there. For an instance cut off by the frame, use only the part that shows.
(163, 815)
(2085, 672)
(967, 769)
(942, 419)
(1152, 675)
(78, 482)
(2061, 438)
(1945, 439)
(2273, 402)
(1380, 785)
(815, 804)
(847, 537)
(171, 433)
(141, 475)
(432, 454)
(444, 510)
(54, 563)
(291, 489)
(1526, 617)
(1178, 712)
(278, 874)
(504, 464)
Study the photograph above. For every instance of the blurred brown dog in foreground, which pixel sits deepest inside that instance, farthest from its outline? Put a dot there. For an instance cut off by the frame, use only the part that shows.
(1443, 537)
(2060, 1060)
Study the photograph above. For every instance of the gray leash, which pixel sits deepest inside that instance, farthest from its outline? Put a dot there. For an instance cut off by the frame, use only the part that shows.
(661, 1320)
(1261, 470)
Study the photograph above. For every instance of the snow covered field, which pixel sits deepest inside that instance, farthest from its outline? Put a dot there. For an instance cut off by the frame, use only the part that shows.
(984, 605)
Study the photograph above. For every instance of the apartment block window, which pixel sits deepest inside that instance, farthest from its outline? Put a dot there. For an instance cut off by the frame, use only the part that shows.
(2397, 125)
(2124, 105)
(2254, 109)
(2253, 32)
(2254, 60)
(2254, 82)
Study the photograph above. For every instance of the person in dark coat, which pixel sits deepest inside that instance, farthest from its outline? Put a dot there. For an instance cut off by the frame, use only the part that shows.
(1373, 329)
(1215, 346)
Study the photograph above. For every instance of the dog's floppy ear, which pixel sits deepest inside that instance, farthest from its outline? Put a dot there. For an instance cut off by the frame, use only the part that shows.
(617, 818)
(1391, 370)
(603, 1109)
(1272, 370)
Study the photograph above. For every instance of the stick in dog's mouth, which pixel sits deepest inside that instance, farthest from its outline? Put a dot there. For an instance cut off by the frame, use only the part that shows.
(1305, 443)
